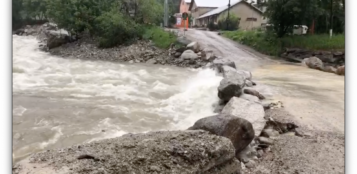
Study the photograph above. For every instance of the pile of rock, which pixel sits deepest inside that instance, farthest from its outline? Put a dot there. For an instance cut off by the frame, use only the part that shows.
(49, 35)
(333, 58)
(190, 54)
(241, 116)
(327, 61)
(316, 63)
(187, 151)
(59, 42)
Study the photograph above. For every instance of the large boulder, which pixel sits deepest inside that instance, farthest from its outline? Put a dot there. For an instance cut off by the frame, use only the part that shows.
(157, 152)
(313, 63)
(231, 86)
(52, 36)
(189, 55)
(194, 46)
(218, 63)
(57, 38)
(250, 110)
(229, 71)
(238, 130)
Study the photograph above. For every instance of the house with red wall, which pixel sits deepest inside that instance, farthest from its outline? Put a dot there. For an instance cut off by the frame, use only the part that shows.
(184, 7)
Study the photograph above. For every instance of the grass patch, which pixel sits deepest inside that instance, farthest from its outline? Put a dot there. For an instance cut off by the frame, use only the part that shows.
(268, 44)
(159, 36)
(316, 42)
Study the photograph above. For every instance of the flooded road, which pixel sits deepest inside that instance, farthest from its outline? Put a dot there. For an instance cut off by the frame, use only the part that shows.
(312, 99)
(315, 98)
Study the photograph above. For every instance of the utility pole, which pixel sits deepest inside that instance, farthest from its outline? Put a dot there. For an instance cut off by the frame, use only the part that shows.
(229, 6)
(331, 19)
(165, 13)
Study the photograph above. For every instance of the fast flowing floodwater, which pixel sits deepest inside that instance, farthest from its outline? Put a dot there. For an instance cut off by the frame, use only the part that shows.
(60, 102)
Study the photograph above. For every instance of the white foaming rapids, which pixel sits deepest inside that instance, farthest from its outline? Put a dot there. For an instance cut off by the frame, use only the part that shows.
(79, 99)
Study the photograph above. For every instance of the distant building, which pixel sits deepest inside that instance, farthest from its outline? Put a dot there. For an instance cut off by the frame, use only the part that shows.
(251, 16)
(184, 7)
(200, 7)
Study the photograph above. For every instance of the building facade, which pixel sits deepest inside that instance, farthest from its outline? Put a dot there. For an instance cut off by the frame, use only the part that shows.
(250, 16)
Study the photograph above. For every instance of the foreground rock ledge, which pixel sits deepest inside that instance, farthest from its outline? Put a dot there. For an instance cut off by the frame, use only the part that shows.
(175, 152)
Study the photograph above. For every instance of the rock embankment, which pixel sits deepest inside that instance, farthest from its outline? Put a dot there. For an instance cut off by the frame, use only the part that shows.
(327, 61)
(59, 42)
(155, 152)
(316, 63)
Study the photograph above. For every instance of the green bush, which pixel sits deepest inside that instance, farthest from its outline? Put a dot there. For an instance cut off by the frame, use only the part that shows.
(160, 38)
(212, 26)
(232, 23)
(113, 28)
(110, 22)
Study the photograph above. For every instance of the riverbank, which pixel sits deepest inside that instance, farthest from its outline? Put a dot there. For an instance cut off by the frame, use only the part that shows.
(156, 46)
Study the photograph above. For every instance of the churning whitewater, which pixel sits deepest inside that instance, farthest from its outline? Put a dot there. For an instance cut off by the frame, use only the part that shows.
(59, 102)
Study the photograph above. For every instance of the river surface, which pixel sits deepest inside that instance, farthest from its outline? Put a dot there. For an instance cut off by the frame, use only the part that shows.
(59, 102)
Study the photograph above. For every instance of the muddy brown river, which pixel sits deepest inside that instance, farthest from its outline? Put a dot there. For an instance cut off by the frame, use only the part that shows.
(60, 102)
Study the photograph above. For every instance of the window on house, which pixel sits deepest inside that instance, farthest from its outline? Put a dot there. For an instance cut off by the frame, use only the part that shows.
(251, 19)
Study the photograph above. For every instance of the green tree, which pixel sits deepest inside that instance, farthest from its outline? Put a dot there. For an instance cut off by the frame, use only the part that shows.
(35, 9)
(284, 14)
(149, 11)
(16, 13)
(78, 15)
(115, 28)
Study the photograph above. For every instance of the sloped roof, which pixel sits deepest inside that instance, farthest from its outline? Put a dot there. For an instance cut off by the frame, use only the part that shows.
(210, 3)
(225, 7)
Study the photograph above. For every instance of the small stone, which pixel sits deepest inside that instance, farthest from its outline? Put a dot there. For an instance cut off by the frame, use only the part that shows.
(155, 168)
(177, 54)
(290, 133)
(264, 140)
(254, 93)
(17, 136)
(341, 70)
(260, 153)
(249, 83)
(267, 149)
(330, 69)
(251, 164)
(131, 61)
(268, 133)
(151, 61)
